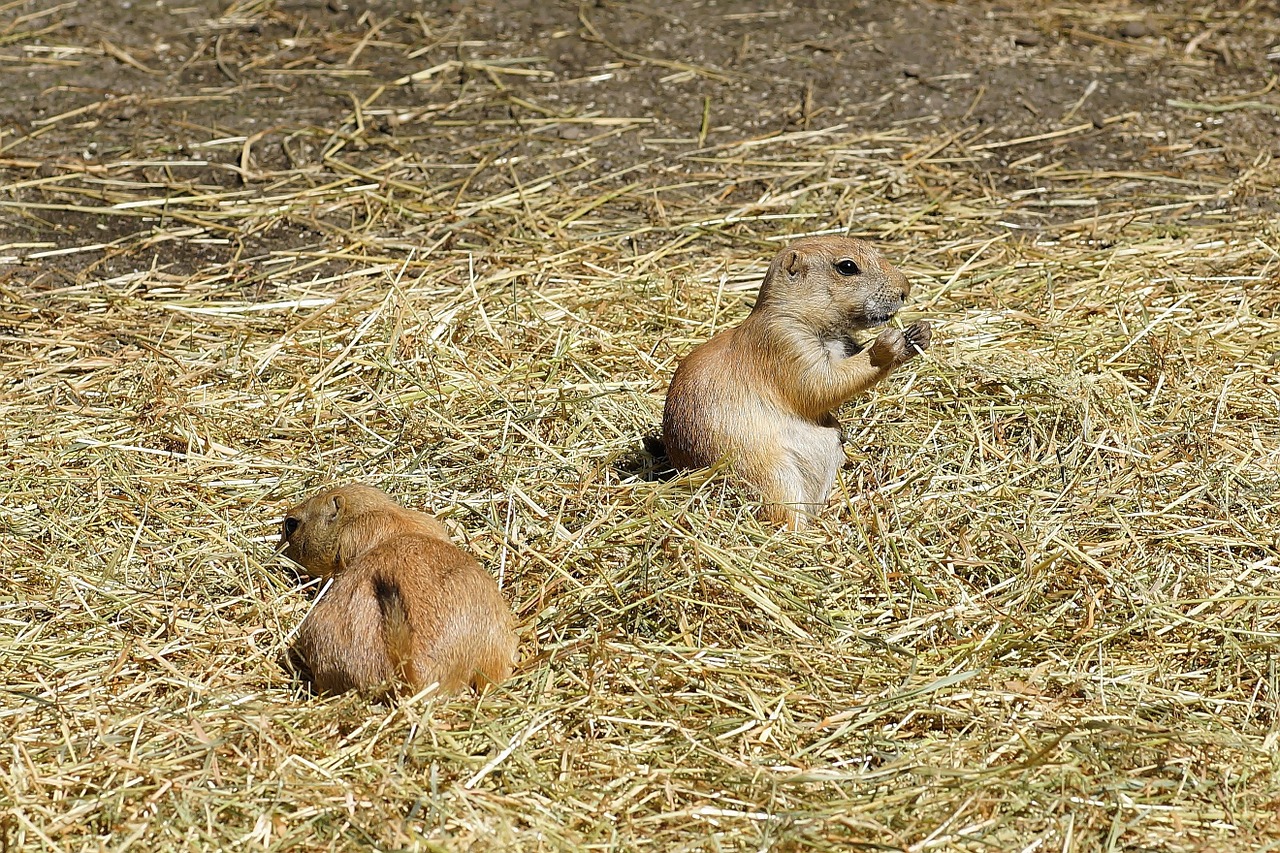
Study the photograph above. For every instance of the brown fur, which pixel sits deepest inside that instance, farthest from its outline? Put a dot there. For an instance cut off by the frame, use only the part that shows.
(762, 394)
(406, 605)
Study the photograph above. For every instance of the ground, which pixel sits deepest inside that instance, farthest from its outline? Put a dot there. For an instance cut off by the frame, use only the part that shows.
(456, 250)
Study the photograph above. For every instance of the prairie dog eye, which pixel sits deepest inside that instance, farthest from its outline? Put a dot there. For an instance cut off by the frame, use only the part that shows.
(290, 527)
(847, 267)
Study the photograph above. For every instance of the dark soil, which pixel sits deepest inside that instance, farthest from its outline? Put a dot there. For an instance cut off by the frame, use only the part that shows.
(1185, 88)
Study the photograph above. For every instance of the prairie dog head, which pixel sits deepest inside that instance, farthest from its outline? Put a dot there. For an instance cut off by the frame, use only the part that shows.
(833, 285)
(332, 528)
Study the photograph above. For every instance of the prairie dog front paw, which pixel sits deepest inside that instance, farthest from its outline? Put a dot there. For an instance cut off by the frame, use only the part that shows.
(889, 349)
(893, 347)
(917, 335)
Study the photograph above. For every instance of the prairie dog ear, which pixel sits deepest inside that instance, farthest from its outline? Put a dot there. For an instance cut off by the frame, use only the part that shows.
(793, 263)
(337, 504)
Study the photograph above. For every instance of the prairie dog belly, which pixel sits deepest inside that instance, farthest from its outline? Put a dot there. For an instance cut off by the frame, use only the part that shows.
(815, 452)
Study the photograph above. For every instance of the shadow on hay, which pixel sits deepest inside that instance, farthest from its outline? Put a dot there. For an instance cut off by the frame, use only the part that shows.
(649, 461)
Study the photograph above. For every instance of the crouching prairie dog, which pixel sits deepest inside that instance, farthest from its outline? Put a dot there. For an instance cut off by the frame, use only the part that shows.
(761, 395)
(405, 604)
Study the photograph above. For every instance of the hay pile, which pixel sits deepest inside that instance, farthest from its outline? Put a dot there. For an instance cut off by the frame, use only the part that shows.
(1042, 612)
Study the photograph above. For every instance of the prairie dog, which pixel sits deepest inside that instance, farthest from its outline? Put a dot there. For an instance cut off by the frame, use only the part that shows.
(405, 604)
(761, 394)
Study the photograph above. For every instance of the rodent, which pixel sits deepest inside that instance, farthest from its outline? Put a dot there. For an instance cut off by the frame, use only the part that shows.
(405, 606)
(761, 395)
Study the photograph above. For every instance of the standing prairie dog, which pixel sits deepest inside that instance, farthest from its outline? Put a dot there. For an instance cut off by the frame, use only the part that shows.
(761, 395)
(405, 603)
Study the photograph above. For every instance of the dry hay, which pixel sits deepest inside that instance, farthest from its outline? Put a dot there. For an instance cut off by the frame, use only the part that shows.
(1042, 613)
